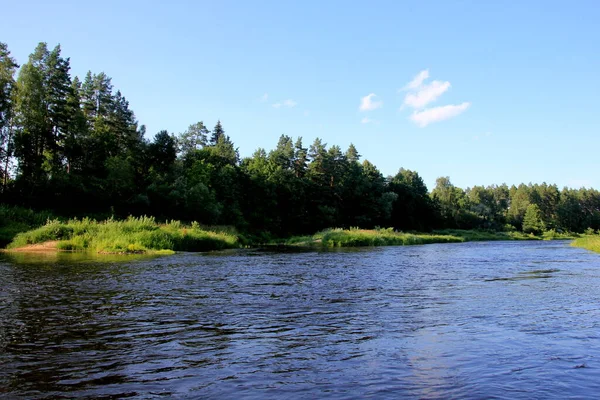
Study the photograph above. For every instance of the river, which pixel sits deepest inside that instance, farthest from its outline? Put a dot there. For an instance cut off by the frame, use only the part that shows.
(472, 320)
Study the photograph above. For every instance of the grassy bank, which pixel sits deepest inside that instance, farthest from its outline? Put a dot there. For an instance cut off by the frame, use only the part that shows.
(364, 237)
(144, 235)
(479, 236)
(133, 235)
(387, 237)
(588, 242)
(14, 220)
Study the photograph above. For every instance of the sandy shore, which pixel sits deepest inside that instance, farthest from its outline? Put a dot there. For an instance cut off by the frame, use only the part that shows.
(46, 247)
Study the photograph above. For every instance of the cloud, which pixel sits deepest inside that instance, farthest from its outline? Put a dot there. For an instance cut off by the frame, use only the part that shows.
(417, 80)
(420, 94)
(264, 98)
(367, 103)
(425, 94)
(437, 114)
(289, 103)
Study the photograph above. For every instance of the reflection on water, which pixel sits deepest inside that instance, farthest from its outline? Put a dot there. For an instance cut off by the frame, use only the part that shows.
(52, 258)
(475, 320)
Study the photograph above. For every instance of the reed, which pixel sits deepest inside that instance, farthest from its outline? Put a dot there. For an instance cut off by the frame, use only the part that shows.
(588, 242)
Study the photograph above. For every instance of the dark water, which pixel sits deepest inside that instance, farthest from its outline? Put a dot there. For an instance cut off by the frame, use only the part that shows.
(477, 320)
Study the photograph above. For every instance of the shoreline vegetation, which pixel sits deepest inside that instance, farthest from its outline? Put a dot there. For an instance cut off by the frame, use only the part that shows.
(73, 146)
(588, 242)
(144, 235)
(355, 237)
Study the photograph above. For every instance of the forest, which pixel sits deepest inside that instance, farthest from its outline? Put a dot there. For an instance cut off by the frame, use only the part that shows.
(73, 146)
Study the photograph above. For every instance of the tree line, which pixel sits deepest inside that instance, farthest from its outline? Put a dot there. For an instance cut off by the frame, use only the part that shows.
(75, 147)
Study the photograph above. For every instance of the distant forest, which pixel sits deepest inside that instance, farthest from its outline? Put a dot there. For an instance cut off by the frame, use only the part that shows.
(74, 146)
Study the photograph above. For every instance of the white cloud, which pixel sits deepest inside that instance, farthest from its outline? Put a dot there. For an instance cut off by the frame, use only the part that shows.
(437, 114)
(425, 94)
(290, 103)
(264, 98)
(417, 80)
(420, 94)
(367, 103)
(366, 120)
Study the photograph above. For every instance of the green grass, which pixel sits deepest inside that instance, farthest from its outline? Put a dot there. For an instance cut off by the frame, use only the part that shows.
(588, 242)
(355, 237)
(477, 235)
(387, 237)
(133, 235)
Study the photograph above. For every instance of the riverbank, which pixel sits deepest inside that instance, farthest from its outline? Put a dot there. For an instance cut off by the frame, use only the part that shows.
(591, 243)
(389, 237)
(144, 235)
(141, 235)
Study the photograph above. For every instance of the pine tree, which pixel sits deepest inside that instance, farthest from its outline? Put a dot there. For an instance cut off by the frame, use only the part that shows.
(58, 90)
(76, 133)
(217, 133)
(8, 66)
(194, 138)
(300, 159)
(352, 154)
(31, 124)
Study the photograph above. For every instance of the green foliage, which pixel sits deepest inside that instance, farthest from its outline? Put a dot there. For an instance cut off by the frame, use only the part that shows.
(553, 234)
(74, 147)
(588, 242)
(360, 237)
(532, 221)
(133, 235)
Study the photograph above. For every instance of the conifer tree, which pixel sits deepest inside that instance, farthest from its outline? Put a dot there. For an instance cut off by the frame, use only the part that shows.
(217, 133)
(8, 66)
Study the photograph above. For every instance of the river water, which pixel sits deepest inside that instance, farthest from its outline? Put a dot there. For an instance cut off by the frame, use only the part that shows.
(473, 320)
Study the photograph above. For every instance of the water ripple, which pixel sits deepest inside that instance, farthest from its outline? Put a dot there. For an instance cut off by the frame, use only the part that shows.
(475, 320)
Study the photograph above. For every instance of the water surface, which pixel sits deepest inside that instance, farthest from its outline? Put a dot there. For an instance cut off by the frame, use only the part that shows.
(473, 320)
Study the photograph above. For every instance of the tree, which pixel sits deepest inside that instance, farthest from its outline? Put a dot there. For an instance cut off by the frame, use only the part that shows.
(352, 154)
(300, 159)
(8, 66)
(162, 152)
(532, 222)
(413, 208)
(194, 138)
(31, 125)
(217, 133)
(283, 155)
(519, 201)
(76, 132)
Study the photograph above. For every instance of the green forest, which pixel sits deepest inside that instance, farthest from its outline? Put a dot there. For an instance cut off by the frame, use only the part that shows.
(73, 146)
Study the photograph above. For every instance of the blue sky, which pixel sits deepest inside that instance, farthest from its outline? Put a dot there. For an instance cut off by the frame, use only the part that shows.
(482, 91)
